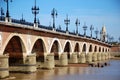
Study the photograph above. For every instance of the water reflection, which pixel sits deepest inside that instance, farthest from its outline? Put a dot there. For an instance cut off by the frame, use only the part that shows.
(111, 72)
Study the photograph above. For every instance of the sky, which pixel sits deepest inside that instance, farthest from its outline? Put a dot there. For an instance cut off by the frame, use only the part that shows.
(91, 12)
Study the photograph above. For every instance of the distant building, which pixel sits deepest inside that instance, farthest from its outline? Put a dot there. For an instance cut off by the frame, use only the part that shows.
(115, 48)
(103, 34)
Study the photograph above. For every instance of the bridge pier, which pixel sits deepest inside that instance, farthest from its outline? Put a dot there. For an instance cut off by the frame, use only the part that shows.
(74, 58)
(28, 66)
(107, 55)
(4, 66)
(99, 56)
(82, 58)
(30, 63)
(89, 58)
(63, 60)
(49, 62)
(40, 63)
(94, 57)
(103, 56)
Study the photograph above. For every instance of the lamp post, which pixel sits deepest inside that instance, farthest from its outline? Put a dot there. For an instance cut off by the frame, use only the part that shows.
(67, 22)
(96, 32)
(7, 13)
(2, 12)
(77, 24)
(84, 28)
(22, 19)
(91, 29)
(54, 14)
(35, 11)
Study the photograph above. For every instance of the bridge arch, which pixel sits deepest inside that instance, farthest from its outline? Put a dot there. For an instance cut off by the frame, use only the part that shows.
(102, 49)
(15, 47)
(90, 48)
(84, 48)
(55, 40)
(99, 49)
(38, 47)
(56, 48)
(67, 42)
(67, 48)
(77, 47)
(106, 50)
(95, 49)
(10, 37)
(42, 40)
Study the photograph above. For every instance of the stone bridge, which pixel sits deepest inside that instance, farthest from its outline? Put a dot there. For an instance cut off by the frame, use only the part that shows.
(24, 47)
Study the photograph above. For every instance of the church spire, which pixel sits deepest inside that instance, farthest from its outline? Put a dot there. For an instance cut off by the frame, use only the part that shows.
(103, 33)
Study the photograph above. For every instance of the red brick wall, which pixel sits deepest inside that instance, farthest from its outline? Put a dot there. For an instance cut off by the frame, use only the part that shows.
(115, 48)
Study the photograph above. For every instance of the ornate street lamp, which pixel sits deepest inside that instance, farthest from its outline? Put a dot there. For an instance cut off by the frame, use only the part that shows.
(35, 11)
(77, 24)
(84, 28)
(2, 12)
(7, 13)
(96, 32)
(54, 14)
(67, 22)
(91, 29)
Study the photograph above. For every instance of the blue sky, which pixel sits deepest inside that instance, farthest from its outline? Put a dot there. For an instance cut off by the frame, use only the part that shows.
(95, 12)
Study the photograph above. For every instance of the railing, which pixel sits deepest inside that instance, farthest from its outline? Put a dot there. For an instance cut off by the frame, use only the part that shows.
(22, 22)
(45, 27)
(59, 30)
(2, 18)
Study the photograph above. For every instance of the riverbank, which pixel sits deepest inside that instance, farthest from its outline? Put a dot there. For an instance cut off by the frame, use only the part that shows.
(78, 65)
(116, 58)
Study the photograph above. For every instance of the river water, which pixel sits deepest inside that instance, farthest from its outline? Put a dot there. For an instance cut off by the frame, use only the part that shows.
(111, 72)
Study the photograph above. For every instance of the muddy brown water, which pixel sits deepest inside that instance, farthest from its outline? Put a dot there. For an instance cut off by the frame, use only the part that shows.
(111, 72)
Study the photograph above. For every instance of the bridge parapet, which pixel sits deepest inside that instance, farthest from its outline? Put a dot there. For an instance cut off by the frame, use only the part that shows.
(2, 18)
(29, 25)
